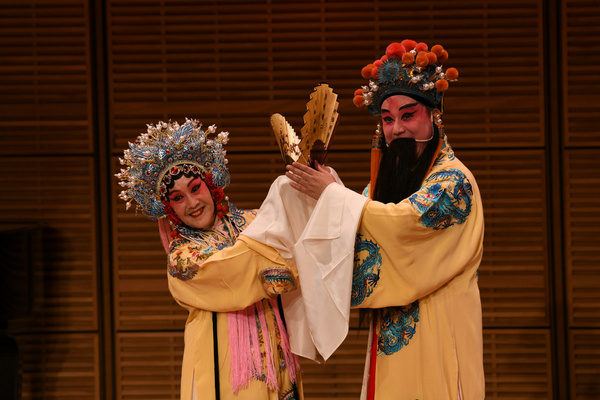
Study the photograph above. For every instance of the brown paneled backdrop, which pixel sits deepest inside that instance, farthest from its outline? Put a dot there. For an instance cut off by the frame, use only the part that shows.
(81, 78)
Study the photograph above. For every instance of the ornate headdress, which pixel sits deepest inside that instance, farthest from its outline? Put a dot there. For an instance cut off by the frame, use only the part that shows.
(407, 68)
(166, 150)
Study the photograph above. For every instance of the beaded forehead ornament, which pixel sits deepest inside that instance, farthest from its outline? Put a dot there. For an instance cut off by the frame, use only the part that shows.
(406, 68)
(168, 149)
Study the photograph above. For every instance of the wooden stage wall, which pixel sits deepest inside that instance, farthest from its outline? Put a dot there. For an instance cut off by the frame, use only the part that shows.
(79, 79)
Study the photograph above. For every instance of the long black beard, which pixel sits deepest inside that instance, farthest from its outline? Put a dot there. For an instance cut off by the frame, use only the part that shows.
(401, 171)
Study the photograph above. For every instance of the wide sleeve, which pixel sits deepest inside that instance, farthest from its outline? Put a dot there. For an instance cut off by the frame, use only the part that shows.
(318, 237)
(229, 279)
(408, 250)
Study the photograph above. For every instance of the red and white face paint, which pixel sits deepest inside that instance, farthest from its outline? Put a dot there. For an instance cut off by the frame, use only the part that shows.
(404, 117)
(191, 200)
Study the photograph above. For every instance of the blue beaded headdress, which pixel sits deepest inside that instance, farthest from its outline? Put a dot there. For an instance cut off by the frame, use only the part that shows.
(167, 149)
(407, 68)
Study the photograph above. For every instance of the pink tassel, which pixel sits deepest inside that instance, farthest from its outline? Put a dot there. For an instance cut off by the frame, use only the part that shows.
(244, 347)
(236, 374)
(255, 341)
(271, 380)
(239, 344)
(291, 360)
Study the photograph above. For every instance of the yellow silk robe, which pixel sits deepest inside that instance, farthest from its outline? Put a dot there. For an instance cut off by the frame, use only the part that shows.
(416, 265)
(203, 280)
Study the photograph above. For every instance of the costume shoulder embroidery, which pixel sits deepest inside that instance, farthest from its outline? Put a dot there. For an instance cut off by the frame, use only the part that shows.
(367, 265)
(444, 199)
(397, 327)
(185, 257)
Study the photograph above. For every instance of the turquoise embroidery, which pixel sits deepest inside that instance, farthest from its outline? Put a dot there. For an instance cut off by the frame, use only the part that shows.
(366, 190)
(238, 218)
(366, 273)
(397, 327)
(441, 207)
(277, 280)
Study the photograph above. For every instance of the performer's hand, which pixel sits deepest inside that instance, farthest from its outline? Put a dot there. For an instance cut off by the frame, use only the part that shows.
(164, 228)
(308, 180)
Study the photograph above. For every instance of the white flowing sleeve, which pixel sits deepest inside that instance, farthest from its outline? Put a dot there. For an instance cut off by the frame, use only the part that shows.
(318, 237)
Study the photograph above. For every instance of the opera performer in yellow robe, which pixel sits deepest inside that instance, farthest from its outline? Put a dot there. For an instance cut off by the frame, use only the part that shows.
(236, 342)
(407, 250)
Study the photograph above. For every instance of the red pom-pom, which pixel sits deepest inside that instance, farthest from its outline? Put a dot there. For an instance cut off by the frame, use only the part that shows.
(421, 47)
(225, 209)
(170, 213)
(452, 74)
(358, 92)
(408, 59)
(441, 85)
(383, 58)
(395, 50)
(422, 60)
(374, 72)
(216, 193)
(443, 57)
(408, 44)
(219, 207)
(438, 49)
(358, 101)
(366, 71)
(378, 63)
(432, 58)
(174, 234)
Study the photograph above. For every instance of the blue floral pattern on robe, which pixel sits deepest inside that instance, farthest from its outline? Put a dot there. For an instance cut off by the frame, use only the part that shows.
(442, 206)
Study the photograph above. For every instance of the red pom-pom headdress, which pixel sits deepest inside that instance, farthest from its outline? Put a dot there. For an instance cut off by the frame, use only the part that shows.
(408, 68)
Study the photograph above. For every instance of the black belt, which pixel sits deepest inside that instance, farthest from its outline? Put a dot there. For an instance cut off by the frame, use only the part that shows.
(294, 387)
(216, 355)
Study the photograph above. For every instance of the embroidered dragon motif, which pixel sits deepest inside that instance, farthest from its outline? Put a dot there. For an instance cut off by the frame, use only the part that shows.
(397, 327)
(366, 272)
(444, 199)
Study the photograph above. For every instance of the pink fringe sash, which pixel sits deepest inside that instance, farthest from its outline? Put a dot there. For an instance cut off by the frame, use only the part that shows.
(244, 342)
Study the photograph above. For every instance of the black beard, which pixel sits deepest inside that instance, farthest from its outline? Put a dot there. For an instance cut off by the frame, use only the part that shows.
(401, 171)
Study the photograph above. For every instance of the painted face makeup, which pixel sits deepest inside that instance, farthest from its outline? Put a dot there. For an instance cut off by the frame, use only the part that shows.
(191, 201)
(404, 117)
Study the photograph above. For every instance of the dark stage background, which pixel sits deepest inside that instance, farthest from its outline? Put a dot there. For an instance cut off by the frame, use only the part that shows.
(81, 78)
